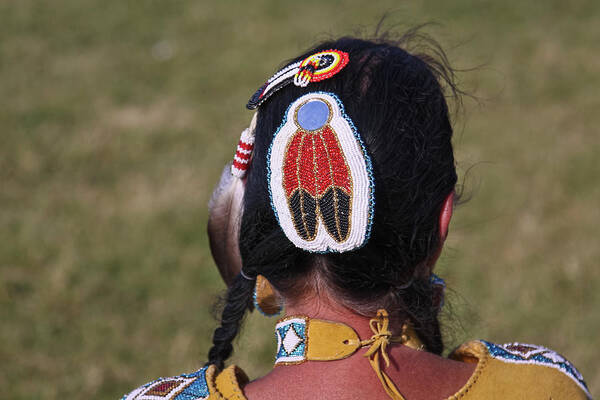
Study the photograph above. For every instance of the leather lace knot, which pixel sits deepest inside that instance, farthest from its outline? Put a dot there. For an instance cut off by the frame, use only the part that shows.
(381, 338)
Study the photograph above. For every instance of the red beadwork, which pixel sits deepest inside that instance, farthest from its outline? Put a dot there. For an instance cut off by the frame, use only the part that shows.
(335, 155)
(520, 348)
(290, 178)
(241, 160)
(245, 146)
(239, 165)
(306, 165)
(344, 58)
(163, 388)
(315, 162)
(243, 156)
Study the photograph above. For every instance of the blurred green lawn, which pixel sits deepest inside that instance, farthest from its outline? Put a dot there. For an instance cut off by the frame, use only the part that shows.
(116, 119)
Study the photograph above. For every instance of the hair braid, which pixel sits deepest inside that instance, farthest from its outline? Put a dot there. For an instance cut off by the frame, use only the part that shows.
(424, 315)
(238, 300)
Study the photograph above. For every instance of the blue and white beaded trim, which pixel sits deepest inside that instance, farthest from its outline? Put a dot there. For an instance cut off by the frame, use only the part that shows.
(183, 387)
(362, 196)
(291, 341)
(520, 353)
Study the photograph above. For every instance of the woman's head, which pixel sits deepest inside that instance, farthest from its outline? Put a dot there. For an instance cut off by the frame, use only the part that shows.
(398, 106)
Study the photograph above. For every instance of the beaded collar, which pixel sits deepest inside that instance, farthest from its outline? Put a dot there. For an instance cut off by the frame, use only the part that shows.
(301, 338)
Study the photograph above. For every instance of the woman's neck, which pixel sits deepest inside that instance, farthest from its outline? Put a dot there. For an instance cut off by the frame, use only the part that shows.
(325, 308)
(417, 374)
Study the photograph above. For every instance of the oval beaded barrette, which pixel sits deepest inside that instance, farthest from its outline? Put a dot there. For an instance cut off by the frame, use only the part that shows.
(320, 177)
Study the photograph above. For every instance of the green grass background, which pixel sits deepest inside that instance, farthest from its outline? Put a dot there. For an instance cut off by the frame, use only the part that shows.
(117, 116)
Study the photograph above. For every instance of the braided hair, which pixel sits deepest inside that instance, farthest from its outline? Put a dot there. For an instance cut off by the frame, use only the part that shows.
(397, 101)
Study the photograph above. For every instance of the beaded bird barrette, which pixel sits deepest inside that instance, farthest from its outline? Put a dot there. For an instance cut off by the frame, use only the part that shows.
(314, 68)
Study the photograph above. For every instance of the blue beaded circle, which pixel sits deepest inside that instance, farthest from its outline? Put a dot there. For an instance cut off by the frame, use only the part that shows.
(313, 115)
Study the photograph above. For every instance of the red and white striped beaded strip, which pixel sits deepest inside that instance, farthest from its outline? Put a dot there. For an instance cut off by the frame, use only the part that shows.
(243, 153)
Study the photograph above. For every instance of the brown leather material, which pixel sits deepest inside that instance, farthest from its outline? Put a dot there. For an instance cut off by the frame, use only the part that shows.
(265, 297)
(330, 340)
(229, 383)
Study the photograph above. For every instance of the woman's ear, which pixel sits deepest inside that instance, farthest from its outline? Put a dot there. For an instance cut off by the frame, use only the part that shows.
(446, 216)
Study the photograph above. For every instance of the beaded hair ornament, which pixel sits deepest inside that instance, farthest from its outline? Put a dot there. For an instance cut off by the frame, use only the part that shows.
(318, 169)
(243, 153)
(314, 68)
(320, 178)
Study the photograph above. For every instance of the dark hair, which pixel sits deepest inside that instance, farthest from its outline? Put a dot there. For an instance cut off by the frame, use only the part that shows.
(397, 102)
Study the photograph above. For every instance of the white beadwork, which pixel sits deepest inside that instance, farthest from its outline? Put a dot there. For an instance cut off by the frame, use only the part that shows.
(291, 341)
(285, 73)
(301, 80)
(291, 348)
